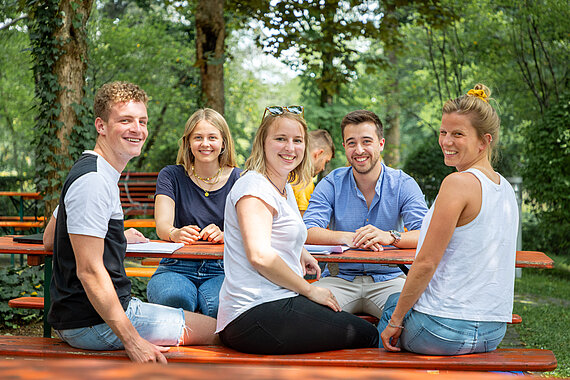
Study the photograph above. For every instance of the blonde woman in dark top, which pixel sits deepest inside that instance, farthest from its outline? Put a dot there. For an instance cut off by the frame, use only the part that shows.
(189, 206)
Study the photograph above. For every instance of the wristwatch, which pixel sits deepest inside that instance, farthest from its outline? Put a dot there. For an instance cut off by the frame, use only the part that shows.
(396, 235)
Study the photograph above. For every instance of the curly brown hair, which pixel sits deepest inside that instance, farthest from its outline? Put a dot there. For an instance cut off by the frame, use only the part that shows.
(116, 92)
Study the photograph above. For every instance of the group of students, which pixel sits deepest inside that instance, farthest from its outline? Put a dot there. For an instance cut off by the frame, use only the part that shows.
(456, 298)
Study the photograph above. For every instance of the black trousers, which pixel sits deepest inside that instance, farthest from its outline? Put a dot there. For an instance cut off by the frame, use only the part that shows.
(297, 325)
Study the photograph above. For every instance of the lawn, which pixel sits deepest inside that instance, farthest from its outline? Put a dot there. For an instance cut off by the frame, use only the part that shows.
(542, 298)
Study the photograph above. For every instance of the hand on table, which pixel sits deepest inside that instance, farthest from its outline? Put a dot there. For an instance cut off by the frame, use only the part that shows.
(212, 233)
(187, 234)
(370, 237)
(134, 236)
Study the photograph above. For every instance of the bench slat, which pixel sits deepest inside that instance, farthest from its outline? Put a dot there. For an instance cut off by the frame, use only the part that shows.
(499, 360)
(117, 370)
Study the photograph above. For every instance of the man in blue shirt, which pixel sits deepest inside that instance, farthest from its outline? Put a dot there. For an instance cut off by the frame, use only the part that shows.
(366, 205)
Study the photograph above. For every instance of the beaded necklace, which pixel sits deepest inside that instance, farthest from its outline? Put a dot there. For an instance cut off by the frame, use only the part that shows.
(211, 181)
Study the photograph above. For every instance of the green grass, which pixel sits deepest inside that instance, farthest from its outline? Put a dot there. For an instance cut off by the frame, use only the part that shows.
(542, 298)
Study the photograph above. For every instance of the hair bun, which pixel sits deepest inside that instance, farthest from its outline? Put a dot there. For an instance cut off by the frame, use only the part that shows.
(480, 91)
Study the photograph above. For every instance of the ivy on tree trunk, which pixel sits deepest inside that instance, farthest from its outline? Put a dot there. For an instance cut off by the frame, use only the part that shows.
(59, 49)
(210, 46)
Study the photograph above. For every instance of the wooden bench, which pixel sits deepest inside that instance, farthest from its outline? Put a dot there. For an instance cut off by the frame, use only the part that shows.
(139, 223)
(17, 225)
(20, 369)
(38, 302)
(137, 192)
(499, 360)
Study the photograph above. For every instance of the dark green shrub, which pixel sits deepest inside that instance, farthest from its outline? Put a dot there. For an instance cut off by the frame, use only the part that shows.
(138, 287)
(546, 178)
(425, 164)
(19, 282)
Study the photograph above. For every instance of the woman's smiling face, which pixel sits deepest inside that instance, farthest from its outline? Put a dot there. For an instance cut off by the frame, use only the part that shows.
(459, 142)
(284, 146)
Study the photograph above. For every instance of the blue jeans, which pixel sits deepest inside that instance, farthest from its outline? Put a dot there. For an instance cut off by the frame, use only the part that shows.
(431, 335)
(158, 324)
(193, 285)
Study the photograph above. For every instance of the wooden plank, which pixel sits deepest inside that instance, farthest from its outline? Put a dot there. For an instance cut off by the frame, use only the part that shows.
(24, 195)
(20, 224)
(140, 223)
(27, 303)
(81, 369)
(151, 261)
(207, 251)
(499, 360)
(140, 272)
(24, 218)
(132, 175)
(533, 259)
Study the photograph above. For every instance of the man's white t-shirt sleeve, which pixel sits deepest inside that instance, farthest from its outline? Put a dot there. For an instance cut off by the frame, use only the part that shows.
(88, 203)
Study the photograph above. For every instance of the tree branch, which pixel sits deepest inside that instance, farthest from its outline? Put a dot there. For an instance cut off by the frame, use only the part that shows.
(432, 60)
(543, 86)
(9, 24)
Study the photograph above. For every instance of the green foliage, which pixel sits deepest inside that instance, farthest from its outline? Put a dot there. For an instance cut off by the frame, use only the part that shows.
(546, 177)
(16, 96)
(542, 299)
(147, 47)
(46, 51)
(425, 164)
(19, 282)
(138, 287)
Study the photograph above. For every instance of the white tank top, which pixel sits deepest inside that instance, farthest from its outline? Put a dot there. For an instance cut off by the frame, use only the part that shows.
(475, 278)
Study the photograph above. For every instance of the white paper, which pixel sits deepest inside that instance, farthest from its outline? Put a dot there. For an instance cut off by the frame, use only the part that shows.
(154, 247)
(325, 249)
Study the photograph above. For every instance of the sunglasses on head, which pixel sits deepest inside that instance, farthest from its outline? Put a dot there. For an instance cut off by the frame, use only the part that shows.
(278, 110)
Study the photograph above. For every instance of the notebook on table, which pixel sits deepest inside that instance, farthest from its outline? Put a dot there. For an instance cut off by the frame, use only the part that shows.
(29, 239)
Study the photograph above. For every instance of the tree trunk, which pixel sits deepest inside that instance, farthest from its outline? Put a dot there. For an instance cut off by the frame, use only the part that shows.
(392, 131)
(59, 101)
(210, 48)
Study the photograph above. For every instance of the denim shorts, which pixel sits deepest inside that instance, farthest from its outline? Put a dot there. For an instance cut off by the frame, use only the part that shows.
(432, 335)
(160, 325)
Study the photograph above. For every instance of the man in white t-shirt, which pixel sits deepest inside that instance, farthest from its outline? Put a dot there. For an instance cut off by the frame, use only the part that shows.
(91, 306)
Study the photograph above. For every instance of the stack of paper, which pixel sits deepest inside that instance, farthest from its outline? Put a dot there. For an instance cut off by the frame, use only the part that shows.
(325, 249)
(154, 247)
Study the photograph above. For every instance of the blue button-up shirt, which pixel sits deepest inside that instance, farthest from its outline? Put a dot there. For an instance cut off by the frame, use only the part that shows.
(338, 203)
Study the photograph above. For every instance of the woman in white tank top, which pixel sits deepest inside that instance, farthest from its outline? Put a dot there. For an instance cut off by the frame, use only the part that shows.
(458, 295)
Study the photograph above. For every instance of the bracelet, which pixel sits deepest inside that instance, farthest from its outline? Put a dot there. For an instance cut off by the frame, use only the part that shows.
(170, 233)
(395, 326)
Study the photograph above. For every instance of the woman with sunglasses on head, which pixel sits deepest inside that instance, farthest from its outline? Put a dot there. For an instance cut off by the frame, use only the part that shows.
(458, 295)
(189, 206)
(266, 306)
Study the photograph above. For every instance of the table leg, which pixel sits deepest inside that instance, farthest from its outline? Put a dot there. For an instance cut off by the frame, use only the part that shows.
(47, 298)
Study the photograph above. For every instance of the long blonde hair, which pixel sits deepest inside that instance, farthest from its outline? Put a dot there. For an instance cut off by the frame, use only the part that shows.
(227, 156)
(256, 161)
(475, 105)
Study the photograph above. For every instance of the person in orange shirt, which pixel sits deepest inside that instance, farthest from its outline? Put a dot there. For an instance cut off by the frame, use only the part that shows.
(321, 151)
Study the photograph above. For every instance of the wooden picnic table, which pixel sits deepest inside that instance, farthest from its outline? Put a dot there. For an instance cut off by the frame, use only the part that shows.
(208, 251)
(37, 254)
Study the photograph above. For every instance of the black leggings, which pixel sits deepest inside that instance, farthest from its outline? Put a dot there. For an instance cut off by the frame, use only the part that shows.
(297, 325)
